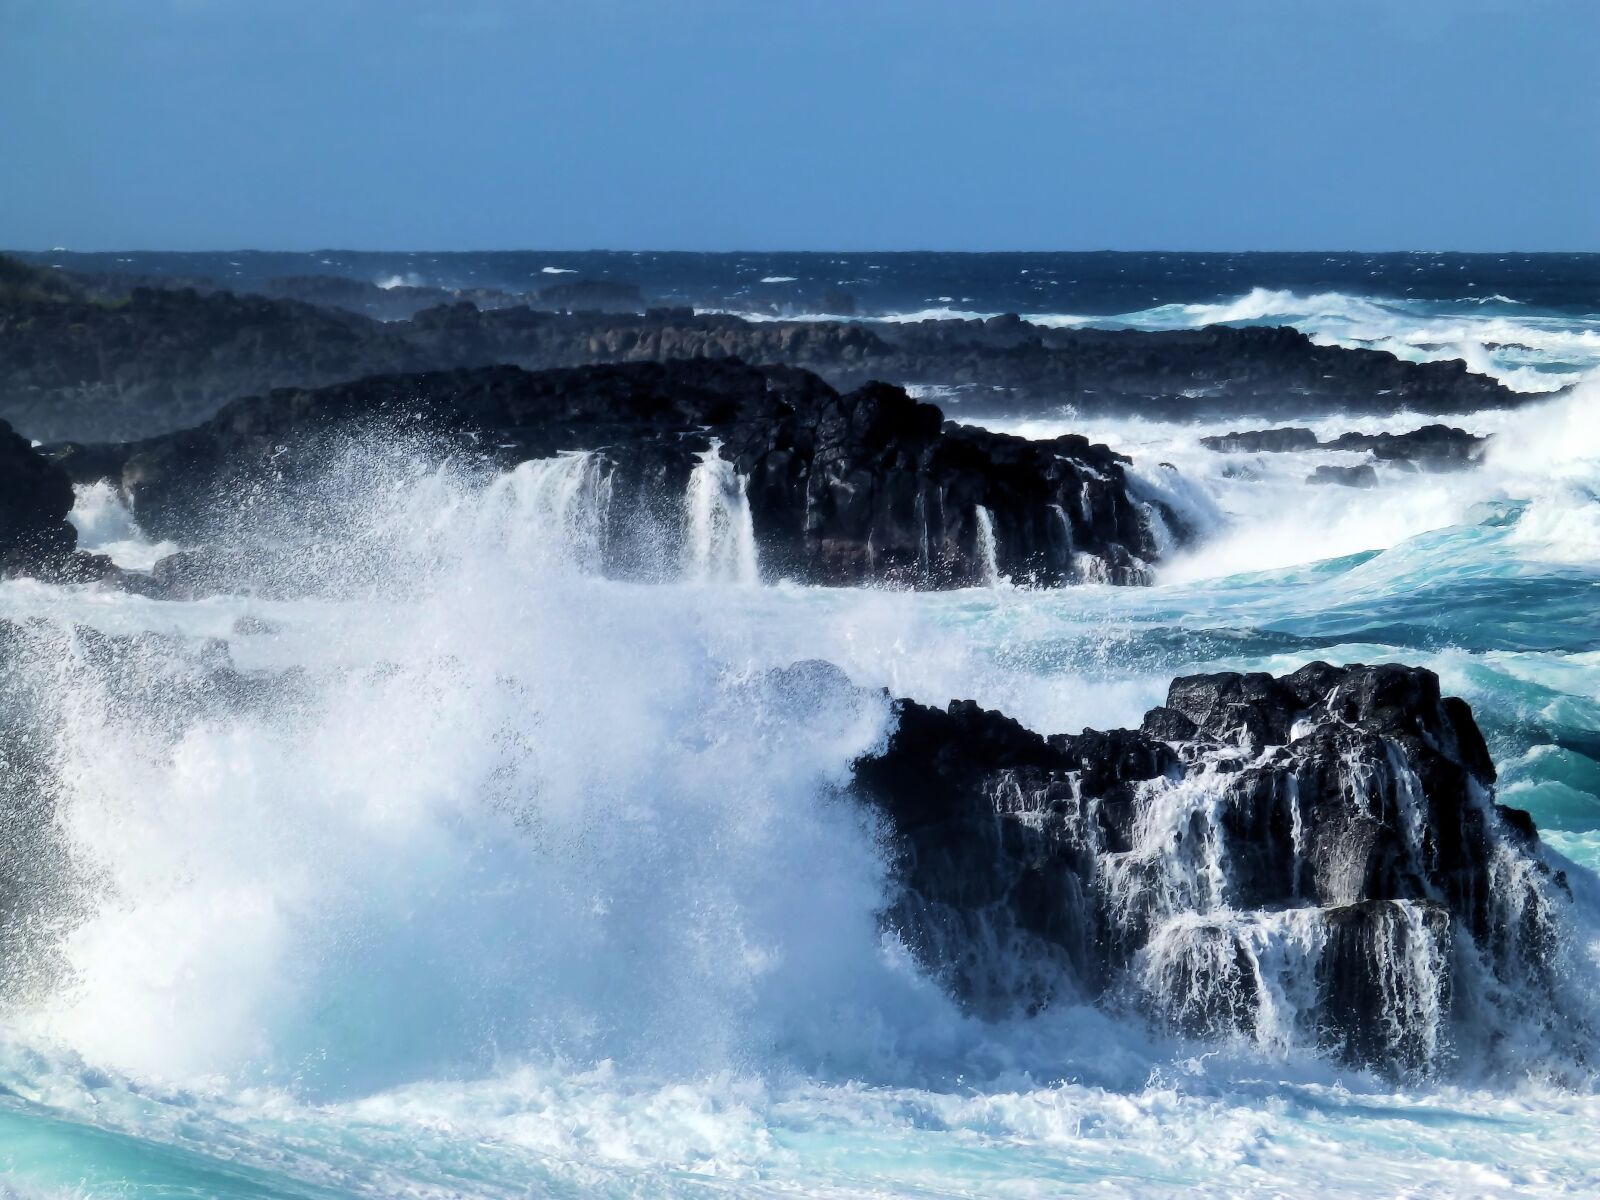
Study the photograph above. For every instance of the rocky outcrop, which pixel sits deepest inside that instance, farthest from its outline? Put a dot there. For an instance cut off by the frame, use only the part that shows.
(1262, 441)
(35, 498)
(36, 539)
(869, 485)
(1315, 859)
(1433, 447)
(76, 366)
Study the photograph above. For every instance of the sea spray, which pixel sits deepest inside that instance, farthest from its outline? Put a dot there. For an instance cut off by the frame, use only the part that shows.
(524, 793)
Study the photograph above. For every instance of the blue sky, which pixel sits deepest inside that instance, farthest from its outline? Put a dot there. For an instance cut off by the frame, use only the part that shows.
(812, 124)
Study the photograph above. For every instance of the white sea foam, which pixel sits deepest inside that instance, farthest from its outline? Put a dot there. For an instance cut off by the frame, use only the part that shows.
(106, 526)
(1262, 515)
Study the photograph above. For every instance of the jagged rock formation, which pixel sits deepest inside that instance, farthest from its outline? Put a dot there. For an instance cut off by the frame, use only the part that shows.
(1315, 859)
(868, 485)
(1263, 441)
(77, 366)
(1433, 447)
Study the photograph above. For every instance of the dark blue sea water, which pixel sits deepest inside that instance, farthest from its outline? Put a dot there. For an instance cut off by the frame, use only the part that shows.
(1098, 284)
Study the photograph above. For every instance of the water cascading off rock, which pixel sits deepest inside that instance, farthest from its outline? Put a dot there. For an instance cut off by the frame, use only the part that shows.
(1312, 862)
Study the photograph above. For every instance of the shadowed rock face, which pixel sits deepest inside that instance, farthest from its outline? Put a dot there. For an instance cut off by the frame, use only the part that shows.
(163, 358)
(1316, 858)
(868, 485)
(35, 498)
(76, 365)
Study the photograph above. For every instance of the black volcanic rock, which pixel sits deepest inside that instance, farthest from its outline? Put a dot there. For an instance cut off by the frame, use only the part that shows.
(1257, 441)
(1003, 364)
(1435, 447)
(1328, 838)
(868, 485)
(35, 498)
(73, 366)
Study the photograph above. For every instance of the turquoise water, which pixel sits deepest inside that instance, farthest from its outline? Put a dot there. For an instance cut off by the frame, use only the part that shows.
(533, 887)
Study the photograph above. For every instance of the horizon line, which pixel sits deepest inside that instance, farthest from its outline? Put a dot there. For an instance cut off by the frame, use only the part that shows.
(836, 250)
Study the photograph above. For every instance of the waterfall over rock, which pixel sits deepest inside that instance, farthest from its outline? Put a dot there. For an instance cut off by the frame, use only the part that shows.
(552, 510)
(988, 554)
(721, 542)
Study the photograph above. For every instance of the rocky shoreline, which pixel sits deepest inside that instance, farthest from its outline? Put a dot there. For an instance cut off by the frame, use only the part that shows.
(77, 365)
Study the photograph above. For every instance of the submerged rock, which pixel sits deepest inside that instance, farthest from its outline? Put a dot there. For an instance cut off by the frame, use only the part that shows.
(1315, 859)
(1363, 476)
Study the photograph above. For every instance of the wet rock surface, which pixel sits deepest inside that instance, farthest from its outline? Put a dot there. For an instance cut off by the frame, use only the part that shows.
(1433, 447)
(1316, 858)
(840, 488)
(35, 498)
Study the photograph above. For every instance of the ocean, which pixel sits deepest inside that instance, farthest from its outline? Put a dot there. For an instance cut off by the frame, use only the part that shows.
(536, 887)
